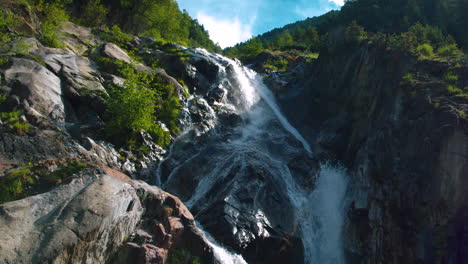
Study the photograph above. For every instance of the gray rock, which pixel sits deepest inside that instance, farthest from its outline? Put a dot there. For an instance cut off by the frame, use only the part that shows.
(115, 52)
(78, 72)
(38, 86)
(88, 220)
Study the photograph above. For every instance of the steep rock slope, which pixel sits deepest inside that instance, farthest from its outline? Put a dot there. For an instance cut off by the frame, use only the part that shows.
(396, 123)
(83, 210)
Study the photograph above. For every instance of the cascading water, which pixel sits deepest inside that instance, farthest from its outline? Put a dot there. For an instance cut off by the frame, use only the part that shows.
(244, 155)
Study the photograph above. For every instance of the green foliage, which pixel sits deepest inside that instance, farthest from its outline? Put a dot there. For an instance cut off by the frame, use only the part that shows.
(429, 35)
(138, 106)
(132, 109)
(14, 185)
(182, 257)
(117, 67)
(453, 90)
(302, 39)
(53, 14)
(426, 50)
(2, 99)
(451, 77)
(279, 64)
(116, 36)
(4, 61)
(407, 78)
(355, 33)
(93, 14)
(449, 50)
(13, 122)
(32, 179)
(7, 21)
(64, 172)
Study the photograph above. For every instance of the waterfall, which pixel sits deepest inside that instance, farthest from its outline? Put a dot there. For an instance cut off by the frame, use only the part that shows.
(218, 162)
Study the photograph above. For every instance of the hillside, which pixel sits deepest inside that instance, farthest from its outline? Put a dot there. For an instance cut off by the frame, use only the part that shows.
(161, 20)
(444, 17)
(338, 142)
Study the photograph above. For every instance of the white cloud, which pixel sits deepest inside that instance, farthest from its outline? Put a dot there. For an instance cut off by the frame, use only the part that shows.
(225, 32)
(338, 2)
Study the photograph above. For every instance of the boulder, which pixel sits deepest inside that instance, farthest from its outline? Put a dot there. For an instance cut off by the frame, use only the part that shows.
(115, 52)
(38, 86)
(96, 218)
(77, 72)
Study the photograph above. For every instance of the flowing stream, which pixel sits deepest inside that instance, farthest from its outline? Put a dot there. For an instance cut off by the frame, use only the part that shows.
(264, 141)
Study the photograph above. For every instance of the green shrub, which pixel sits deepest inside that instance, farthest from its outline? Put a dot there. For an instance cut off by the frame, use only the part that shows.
(53, 15)
(64, 172)
(407, 78)
(7, 20)
(276, 64)
(116, 36)
(426, 50)
(449, 50)
(451, 77)
(463, 95)
(93, 14)
(131, 109)
(453, 90)
(13, 122)
(30, 180)
(14, 185)
(2, 99)
(355, 33)
(116, 67)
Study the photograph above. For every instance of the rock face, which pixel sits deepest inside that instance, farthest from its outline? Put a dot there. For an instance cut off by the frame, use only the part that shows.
(94, 218)
(101, 216)
(405, 142)
(38, 86)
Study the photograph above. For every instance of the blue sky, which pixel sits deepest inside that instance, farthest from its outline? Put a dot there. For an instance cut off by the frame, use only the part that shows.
(233, 21)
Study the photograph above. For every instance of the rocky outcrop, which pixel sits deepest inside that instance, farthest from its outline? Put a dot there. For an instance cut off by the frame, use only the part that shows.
(94, 218)
(39, 87)
(404, 140)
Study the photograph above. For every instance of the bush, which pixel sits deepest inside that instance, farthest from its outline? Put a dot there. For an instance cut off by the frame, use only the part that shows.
(355, 33)
(453, 90)
(13, 122)
(132, 109)
(449, 50)
(426, 50)
(93, 14)
(451, 77)
(53, 15)
(30, 180)
(116, 36)
(7, 21)
(13, 186)
(407, 78)
(116, 67)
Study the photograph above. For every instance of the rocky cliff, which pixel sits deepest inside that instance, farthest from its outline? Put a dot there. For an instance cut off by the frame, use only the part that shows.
(65, 198)
(397, 123)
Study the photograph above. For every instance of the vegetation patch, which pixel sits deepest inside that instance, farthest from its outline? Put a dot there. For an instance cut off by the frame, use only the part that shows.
(53, 15)
(453, 90)
(14, 123)
(31, 179)
(116, 36)
(141, 105)
(182, 256)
